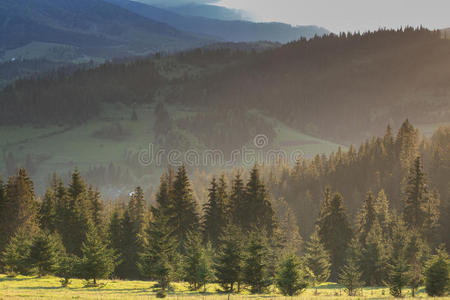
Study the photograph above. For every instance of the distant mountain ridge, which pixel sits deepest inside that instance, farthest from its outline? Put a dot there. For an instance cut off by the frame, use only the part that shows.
(231, 31)
(94, 25)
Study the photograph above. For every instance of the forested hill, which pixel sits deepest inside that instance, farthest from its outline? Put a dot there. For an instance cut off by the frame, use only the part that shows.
(342, 87)
(96, 28)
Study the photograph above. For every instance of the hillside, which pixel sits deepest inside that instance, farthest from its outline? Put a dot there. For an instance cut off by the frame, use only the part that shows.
(97, 28)
(343, 88)
(309, 95)
(226, 30)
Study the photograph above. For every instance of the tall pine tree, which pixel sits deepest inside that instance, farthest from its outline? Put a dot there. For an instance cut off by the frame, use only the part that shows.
(335, 233)
(215, 215)
(183, 213)
(317, 259)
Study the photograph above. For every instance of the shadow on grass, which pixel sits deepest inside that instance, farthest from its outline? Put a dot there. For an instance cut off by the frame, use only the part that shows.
(329, 285)
(11, 279)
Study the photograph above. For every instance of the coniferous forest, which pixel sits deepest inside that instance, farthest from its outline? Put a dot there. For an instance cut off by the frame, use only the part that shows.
(372, 216)
(215, 150)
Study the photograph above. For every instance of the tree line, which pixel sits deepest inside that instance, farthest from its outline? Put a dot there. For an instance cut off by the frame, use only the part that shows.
(235, 239)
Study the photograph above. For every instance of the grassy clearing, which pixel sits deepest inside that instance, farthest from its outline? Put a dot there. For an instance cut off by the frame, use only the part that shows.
(50, 288)
(61, 149)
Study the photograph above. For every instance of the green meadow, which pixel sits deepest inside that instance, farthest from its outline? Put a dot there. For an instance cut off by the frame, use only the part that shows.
(50, 288)
(61, 148)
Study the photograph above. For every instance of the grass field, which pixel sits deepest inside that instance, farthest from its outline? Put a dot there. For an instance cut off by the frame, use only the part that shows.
(50, 288)
(61, 149)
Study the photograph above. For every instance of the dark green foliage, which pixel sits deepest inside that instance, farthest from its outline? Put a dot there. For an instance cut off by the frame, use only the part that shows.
(47, 212)
(374, 257)
(335, 233)
(191, 261)
(230, 259)
(96, 208)
(20, 208)
(384, 217)
(398, 277)
(257, 205)
(15, 256)
(291, 279)
(46, 252)
(256, 268)
(163, 197)
(350, 277)
(437, 282)
(69, 267)
(206, 267)
(183, 214)
(215, 216)
(237, 201)
(75, 215)
(158, 259)
(288, 231)
(417, 252)
(420, 212)
(127, 234)
(317, 259)
(98, 260)
(350, 274)
(367, 218)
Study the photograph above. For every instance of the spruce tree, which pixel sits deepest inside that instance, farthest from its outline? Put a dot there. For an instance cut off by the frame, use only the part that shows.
(256, 263)
(158, 259)
(288, 229)
(237, 202)
(399, 276)
(20, 207)
(291, 278)
(406, 144)
(350, 274)
(47, 212)
(215, 215)
(230, 258)
(383, 214)
(138, 210)
(335, 233)
(438, 275)
(98, 260)
(192, 260)
(416, 252)
(419, 209)
(317, 259)
(96, 208)
(129, 249)
(367, 218)
(206, 266)
(163, 197)
(374, 257)
(115, 231)
(68, 267)
(77, 216)
(183, 213)
(46, 252)
(257, 205)
(15, 256)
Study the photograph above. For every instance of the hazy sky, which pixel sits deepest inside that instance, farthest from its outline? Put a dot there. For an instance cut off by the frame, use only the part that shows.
(347, 15)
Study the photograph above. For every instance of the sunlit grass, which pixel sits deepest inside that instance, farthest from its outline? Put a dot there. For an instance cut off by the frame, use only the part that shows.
(50, 288)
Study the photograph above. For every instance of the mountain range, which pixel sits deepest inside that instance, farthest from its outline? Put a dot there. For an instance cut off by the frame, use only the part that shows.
(117, 28)
(225, 30)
